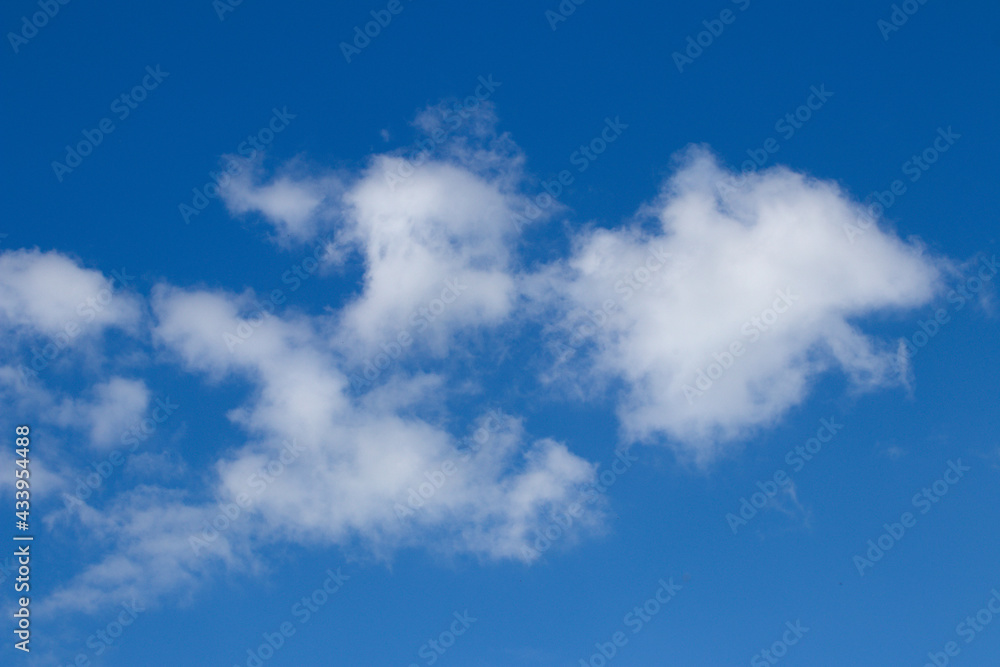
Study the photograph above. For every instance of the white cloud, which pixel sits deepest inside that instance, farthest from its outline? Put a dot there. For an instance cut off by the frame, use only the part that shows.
(348, 462)
(768, 266)
(150, 556)
(50, 294)
(443, 234)
(293, 204)
(435, 232)
(321, 466)
(118, 404)
(111, 408)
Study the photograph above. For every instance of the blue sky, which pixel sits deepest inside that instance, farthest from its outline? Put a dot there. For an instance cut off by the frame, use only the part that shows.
(315, 288)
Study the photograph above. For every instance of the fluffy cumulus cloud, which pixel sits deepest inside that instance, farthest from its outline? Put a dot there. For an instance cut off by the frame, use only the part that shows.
(323, 465)
(435, 232)
(438, 240)
(719, 316)
(147, 530)
(113, 407)
(711, 314)
(49, 293)
(294, 205)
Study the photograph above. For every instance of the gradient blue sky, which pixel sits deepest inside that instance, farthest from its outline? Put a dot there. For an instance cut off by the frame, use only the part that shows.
(665, 518)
